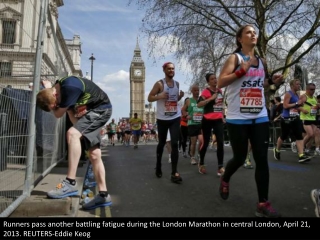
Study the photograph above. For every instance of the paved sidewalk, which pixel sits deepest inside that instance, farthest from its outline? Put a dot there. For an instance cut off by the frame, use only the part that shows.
(38, 205)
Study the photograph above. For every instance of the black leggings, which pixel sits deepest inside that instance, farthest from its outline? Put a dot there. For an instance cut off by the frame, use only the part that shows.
(174, 127)
(217, 126)
(259, 139)
(183, 137)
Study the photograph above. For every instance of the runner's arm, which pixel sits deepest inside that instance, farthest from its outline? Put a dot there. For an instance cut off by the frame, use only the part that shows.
(227, 74)
(59, 112)
(184, 109)
(156, 92)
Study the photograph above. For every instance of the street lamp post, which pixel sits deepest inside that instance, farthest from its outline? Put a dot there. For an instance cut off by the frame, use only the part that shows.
(92, 58)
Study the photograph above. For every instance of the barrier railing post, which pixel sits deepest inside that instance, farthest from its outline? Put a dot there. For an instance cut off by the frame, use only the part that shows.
(3, 141)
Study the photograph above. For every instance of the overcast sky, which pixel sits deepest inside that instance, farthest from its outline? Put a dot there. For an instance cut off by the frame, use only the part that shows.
(109, 29)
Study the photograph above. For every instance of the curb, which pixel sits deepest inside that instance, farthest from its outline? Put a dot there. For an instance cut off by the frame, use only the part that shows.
(39, 205)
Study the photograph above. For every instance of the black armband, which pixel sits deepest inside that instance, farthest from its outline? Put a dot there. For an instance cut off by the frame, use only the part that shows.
(200, 99)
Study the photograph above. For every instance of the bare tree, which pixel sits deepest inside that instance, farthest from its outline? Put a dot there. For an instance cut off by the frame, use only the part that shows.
(202, 32)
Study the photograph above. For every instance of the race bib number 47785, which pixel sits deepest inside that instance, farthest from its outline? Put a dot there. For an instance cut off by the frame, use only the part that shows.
(251, 100)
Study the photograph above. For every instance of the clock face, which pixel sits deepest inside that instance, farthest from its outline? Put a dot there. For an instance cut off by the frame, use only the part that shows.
(137, 72)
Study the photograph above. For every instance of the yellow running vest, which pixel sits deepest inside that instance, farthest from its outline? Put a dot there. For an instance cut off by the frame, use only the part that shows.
(311, 106)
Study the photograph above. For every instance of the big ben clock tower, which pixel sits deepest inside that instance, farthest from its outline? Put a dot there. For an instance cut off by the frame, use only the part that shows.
(137, 82)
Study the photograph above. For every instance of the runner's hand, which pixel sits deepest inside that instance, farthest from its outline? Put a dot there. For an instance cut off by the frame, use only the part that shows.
(163, 95)
(277, 79)
(245, 65)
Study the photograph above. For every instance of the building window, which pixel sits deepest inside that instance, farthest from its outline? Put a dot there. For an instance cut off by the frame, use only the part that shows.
(8, 31)
(5, 69)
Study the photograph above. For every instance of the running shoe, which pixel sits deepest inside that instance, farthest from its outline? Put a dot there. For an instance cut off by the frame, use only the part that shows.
(266, 210)
(202, 169)
(304, 158)
(224, 189)
(276, 154)
(308, 153)
(176, 178)
(63, 190)
(184, 155)
(193, 161)
(294, 147)
(316, 152)
(220, 172)
(158, 172)
(98, 201)
(247, 163)
(315, 196)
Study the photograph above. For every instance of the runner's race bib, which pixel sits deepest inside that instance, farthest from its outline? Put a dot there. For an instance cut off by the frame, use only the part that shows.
(80, 111)
(251, 100)
(170, 108)
(197, 117)
(293, 112)
(313, 111)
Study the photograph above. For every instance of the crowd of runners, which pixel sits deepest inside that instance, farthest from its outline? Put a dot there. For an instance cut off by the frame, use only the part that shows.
(206, 118)
(123, 132)
(241, 111)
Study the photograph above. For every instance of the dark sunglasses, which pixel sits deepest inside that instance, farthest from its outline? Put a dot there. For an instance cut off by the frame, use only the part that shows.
(312, 89)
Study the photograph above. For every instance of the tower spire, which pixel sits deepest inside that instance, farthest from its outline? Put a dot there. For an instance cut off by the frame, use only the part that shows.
(137, 45)
(137, 53)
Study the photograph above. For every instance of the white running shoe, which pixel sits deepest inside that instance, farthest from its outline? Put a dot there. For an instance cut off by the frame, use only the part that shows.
(294, 147)
(317, 152)
(193, 161)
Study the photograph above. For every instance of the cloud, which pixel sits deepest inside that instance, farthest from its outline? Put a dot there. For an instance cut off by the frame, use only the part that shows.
(115, 82)
(117, 77)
